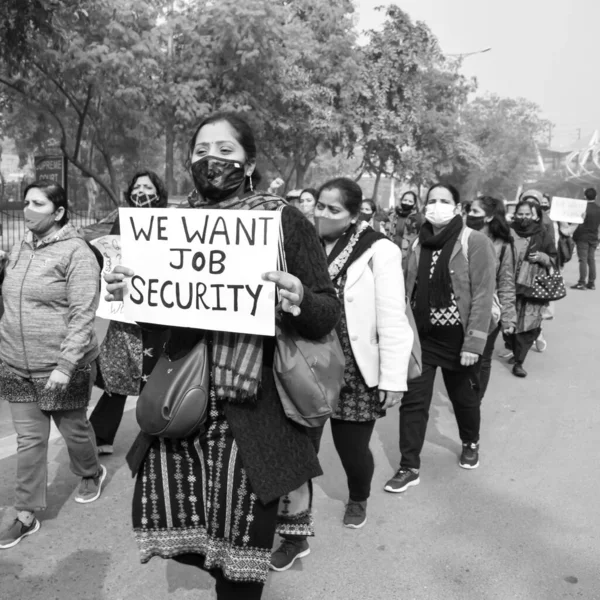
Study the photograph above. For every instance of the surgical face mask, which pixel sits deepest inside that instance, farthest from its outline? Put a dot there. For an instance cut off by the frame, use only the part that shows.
(331, 229)
(218, 178)
(440, 214)
(476, 223)
(39, 223)
(141, 199)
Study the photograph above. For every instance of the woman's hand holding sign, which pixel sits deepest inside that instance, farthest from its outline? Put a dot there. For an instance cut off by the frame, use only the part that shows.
(291, 290)
(116, 284)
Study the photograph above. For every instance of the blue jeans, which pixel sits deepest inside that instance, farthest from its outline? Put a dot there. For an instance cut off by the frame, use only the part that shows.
(586, 252)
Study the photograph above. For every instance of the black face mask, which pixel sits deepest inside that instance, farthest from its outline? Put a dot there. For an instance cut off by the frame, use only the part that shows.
(217, 178)
(405, 209)
(522, 222)
(365, 217)
(475, 223)
(545, 208)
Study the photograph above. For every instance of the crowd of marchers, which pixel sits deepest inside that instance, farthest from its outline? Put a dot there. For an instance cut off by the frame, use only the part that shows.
(430, 285)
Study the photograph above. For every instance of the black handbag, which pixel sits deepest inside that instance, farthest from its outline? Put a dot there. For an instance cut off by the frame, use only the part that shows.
(174, 401)
(547, 287)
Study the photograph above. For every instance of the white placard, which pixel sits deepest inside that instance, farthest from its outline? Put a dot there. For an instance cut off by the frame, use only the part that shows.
(568, 210)
(110, 248)
(201, 268)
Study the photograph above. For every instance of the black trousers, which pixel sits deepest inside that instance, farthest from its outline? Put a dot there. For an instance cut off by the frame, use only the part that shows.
(106, 418)
(351, 440)
(463, 390)
(521, 343)
(485, 362)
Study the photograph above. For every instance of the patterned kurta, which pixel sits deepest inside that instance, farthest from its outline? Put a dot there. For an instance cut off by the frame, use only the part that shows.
(193, 496)
(357, 402)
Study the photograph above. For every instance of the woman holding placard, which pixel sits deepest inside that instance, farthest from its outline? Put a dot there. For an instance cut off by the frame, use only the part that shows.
(48, 351)
(534, 247)
(211, 500)
(124, 360)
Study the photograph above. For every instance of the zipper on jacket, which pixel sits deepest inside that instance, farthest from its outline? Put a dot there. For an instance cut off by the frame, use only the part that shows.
(31, 257)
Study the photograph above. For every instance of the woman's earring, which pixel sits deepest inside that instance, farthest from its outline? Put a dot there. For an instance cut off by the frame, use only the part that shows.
(251, 184)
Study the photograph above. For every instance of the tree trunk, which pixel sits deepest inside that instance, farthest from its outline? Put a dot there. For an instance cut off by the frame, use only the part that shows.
(170, 152)
(376, 186)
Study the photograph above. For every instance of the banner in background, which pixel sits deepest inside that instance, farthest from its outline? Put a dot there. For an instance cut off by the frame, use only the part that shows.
(110, 248)
(568, 210)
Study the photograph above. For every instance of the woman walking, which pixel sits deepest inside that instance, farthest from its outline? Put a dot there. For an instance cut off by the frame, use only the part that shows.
(48, 349)
(366, 270)
(487, 215)
(212, 500)
(124, 357)
(450, 283)
(534, 247)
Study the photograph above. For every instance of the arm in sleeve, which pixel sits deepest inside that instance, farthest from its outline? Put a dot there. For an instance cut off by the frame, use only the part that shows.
(305, 257)
(395, 336)
(506, 287)
(482, 277)
(82, 276)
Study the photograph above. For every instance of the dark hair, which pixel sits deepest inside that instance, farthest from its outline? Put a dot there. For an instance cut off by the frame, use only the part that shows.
(498, 227)
(351, 192)
(55, 193)
(447, 186)
(314, 193)
(416, 199)
(590, 194)
(243, 134)
(465, 206)
(161, 190)
(370, 202)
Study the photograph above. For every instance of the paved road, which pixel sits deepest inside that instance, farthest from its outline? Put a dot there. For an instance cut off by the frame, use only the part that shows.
(524, 526)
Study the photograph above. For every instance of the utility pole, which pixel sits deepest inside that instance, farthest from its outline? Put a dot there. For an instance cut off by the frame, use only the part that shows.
(551, 127)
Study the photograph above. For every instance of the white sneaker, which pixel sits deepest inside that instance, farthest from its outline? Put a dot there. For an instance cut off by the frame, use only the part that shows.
(105, 449)
(506, 354)
(540, 344)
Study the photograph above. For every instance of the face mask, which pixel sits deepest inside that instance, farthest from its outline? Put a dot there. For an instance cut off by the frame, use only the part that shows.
(475, 223)
(545, 208)
(141, 199)
(217, 178)
(365, 217)
(440, 214)
(406, 206)
(522, 221)
(331, 229)
(39, 223)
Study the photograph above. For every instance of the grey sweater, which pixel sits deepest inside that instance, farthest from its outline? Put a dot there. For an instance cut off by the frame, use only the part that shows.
(51, 294)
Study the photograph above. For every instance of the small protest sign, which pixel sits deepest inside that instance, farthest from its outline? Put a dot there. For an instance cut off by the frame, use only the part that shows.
(201, 268)
(110, 248)
(568, 210)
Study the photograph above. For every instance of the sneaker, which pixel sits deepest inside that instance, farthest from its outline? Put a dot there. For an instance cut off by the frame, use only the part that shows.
(287, 554)
(591, 286)
(540, 344)
(356, 514)
(579, 286)
(90, 488)
(519, 371)
(12, 535)
(402, 480)
(105, 449)
(506, 354)
(469, 459)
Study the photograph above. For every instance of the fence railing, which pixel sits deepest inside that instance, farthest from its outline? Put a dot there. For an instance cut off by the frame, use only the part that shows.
(12, 224)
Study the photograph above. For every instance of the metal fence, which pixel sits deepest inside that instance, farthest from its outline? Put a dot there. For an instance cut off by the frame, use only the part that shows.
(12, 225)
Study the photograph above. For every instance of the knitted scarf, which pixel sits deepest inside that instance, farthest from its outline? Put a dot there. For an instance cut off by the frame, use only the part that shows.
(435, 291)
(237, 357)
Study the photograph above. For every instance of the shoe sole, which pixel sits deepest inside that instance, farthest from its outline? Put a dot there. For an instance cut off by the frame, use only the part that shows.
(541, 347)
(102, 452)
(465, 466)
(351, 526)
(291, 563)
(13, 544)
(102, 478)
(389, 488)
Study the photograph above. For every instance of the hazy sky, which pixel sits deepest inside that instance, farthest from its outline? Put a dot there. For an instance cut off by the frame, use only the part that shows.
(543, 50)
